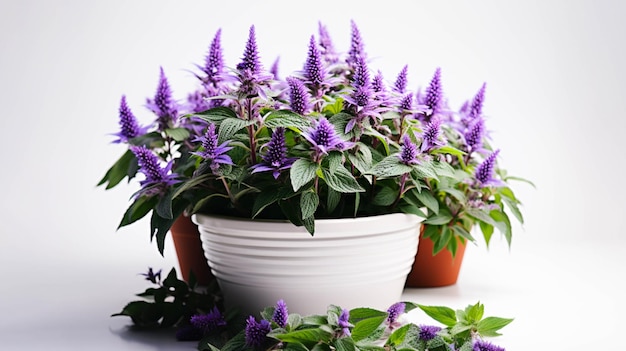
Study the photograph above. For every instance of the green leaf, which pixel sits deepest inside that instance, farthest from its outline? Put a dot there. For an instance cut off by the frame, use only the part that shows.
(335, 108)
(457, 194)
(342, 181)
(332, 200)
(119, 170)
(301, 172)
(448, 150)
(269, 196)
(164, 206)
(286, 119)
(138, 209)
(503, 224)
(344, 344)
(441, 314)
(230, 126)
(425, 170)
(334, 161)
(427, 199)
(366, 327)
(390, 166)
(442, 241)
(216, 115)
(512, 205)
(383, 139)
(159, 226)
(195, 181)
(308, 203)
(460, 231)
(443, 169)
(520, 180)
(305, 335)
(474, 313)
(442, 217)
(362, 159)
(178, 134)
(385, 197)
(487, 230)
(489, 326)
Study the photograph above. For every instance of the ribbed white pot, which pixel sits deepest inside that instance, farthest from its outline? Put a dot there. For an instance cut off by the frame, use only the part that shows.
(350, 262)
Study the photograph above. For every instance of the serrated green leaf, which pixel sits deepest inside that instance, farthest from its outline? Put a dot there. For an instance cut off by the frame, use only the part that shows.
(489, 326)
(301, 172)
(383, 140)
(443, 169)
(390, 166)
(215, 115)
(441, 314)
(344, 344)
(332, 200)
(427, 199)
(308, 203)
(397, 336)
(442, 217)
(305, 335)
(385, 197)
(286, 119)
(474, 313)
(363, 328)
(230, 126)
(178, 134)
(341, 180)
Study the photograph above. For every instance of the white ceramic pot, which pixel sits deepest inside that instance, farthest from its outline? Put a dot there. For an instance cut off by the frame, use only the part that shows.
(350, 262)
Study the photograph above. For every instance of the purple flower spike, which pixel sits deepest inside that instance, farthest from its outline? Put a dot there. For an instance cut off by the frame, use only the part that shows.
(434, 94)
(208, 322)
(344, 322)
(299, 96)
(406, 104)
(474, 134)
(250, 60)
(275, 160)
(433, 137)
(428, 332)
(476, 108)
(214, 62)
(361, 76)
(394, 312)
(484, 171)
(378, 83)
(324, 138)
(157, 179)
(401, 81)
(256, 332)
(313, 68)
(408, 151)
(328, 49)
(213, 152)
(356, 45)
(482, 345)
(129, 128)
(280, 314)
(162, 105)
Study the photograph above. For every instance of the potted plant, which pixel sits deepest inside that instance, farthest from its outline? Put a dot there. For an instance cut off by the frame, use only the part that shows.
(162, 152)
(329, 146)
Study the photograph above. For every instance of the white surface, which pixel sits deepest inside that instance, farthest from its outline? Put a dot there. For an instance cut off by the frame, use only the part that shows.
(555, 83)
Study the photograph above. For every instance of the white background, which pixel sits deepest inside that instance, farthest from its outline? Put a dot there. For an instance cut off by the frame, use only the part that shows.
(555, 94)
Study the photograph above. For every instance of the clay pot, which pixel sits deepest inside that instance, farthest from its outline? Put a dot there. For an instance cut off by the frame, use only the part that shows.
(438, 270)
(189, 251)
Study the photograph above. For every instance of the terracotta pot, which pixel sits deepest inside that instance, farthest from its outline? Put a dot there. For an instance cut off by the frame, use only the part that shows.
(189, 251)
(438, 270)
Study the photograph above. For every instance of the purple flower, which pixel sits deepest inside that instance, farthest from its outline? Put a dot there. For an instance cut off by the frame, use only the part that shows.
(324, 138)
(154, 277)
(394, 311)
(408, 151)
(275, 159)
(328, 49)
(482, 345)
(162, 104)
(280, 314)
(256, 331)
(356, 45)
(476, 109)
(299, 96)
(434, 94)
(313, 68)
(474, 134)
(428, 332)
(432, 136)
(406, 104)
(213, 152)
(214, 61)
(362, 92)
(158, 179)
(250, 60)
(401, 81)
(484, 171)
(208, 322)
(129, 128)
(344, 322)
